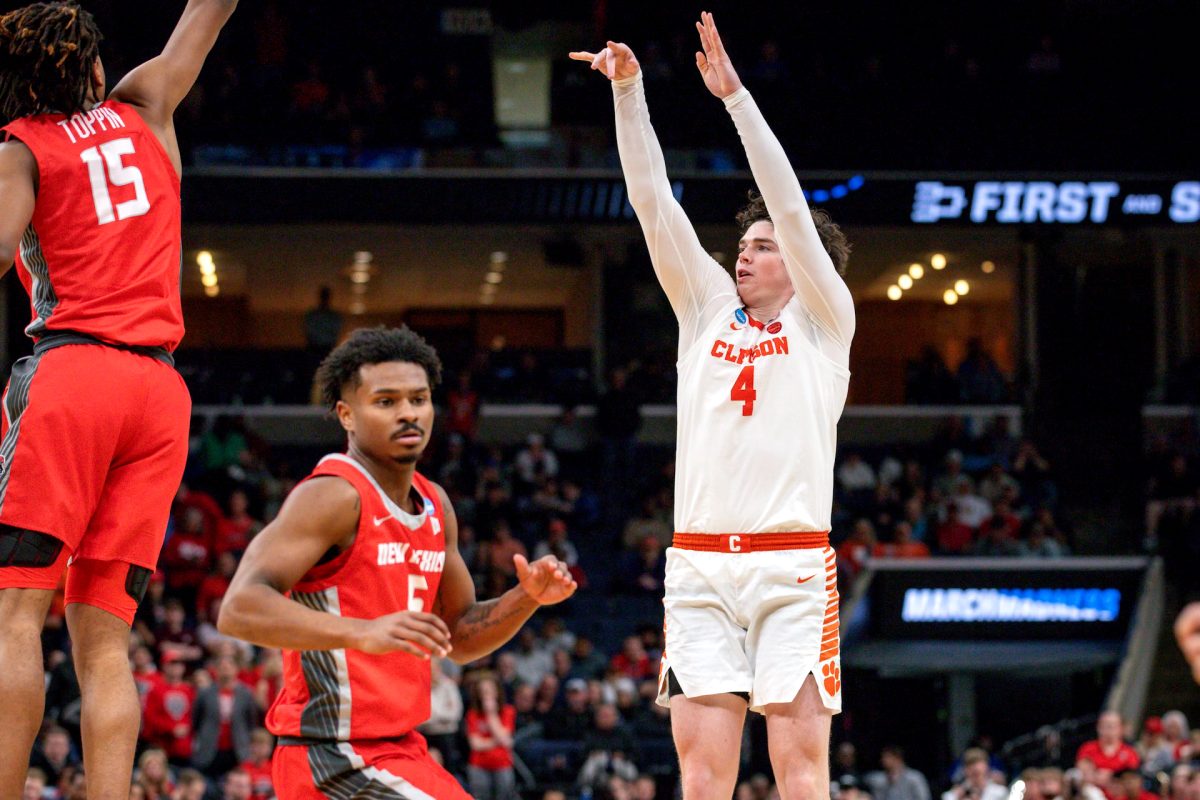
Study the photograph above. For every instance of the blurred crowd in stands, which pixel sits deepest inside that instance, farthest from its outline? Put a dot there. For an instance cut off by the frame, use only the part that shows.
(415, 87)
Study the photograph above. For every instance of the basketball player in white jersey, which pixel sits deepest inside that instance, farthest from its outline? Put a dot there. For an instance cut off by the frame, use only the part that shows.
(751, 596)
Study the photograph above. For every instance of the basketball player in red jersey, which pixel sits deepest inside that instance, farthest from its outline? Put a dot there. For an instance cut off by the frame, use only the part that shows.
(359, 580)
(95, 423)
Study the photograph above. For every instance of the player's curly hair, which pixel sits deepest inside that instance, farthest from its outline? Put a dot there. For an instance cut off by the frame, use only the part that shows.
(46, 55)
(374, 346)
(830, 232)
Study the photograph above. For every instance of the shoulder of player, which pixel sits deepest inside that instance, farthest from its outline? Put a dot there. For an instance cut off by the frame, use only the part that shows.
(16, 156)
(324, 499)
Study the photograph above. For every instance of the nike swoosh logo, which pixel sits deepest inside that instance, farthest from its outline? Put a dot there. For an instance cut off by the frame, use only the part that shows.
(380, 520)
(798, 580)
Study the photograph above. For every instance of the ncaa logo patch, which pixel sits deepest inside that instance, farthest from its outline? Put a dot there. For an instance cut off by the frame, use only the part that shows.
(740, 316)
(775, 327)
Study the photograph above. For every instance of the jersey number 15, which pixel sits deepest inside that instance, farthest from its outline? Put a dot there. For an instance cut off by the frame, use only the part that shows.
(104, 168)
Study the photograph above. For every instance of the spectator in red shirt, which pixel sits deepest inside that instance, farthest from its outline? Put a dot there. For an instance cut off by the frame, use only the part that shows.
(235, 531)
(490, 727)
(145, 673)
(462, 408)
(954, 536)
(1003, 517)
(213, 587)
(853, 553)
(633, 661)
(262, 744)
(1130, 786)
(187, 556)
(268, 678)
(1108, 752)
(167, 720)
(902, 544)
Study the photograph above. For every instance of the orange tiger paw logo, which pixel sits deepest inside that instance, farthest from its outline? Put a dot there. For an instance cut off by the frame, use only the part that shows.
(833, 677)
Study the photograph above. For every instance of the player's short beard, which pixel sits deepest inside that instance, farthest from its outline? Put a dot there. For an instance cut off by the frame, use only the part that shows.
(406, 460)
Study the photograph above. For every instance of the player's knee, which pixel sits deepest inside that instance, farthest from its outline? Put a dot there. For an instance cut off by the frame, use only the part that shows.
(801, 783)
(28, 549)
(703, 774)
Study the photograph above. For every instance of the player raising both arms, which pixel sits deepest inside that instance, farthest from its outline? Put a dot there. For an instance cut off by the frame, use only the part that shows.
(751, 597)
(359, 580)
(95, 425)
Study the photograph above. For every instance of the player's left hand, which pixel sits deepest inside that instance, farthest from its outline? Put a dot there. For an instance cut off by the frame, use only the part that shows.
(715, 67)
(1187, 632)
(546, 580)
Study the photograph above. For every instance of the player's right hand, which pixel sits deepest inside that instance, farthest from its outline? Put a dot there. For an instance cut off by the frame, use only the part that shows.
(414, 632)
(1187, 632)
(617, 61)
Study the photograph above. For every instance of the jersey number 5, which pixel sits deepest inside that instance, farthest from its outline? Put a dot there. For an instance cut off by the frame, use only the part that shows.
(415, 583)
(743, 390)
(104, 168)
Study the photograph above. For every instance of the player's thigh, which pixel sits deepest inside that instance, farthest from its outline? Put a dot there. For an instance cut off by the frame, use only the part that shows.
(705, 647)
(708, 737)
(129, 521)
(798, 733)
(62, 419)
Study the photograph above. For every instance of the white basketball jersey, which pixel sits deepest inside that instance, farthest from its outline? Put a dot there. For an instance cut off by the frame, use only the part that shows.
(758, 408)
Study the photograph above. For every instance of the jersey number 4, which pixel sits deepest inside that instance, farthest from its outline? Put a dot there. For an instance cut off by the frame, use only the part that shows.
(104, 168)
(743, 390)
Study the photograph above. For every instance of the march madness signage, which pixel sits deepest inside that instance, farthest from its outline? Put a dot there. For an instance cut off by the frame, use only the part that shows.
(1005, 599)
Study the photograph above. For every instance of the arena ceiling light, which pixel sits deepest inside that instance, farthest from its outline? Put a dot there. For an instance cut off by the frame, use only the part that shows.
(894, 292)
(961, 287)
(904, 282)
(950, 297)
(938, 261)
(916, 271)
(987, 267)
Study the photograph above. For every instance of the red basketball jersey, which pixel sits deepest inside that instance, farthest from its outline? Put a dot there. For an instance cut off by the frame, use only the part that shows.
(395, 564)
(103, 253)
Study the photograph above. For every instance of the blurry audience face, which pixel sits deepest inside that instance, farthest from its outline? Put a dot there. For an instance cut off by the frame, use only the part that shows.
(153, 765)
(606, 717)
(524, 698)
(227, 670)
(56, 746)
(977, 773)
(1052, 783)
(1131, 784)
(261, 745)
(644, 788)
(1108, 728)
(238, 786)
(1180, 777)
(846, 755)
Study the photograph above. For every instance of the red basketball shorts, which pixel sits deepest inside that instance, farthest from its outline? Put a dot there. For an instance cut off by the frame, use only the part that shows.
(399, 768)
(93, 447)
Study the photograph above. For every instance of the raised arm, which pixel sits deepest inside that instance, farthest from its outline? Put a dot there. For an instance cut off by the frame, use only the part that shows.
(157, 87)
(477, 629)
(689, 276)
(320, 515)
(814, 277)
